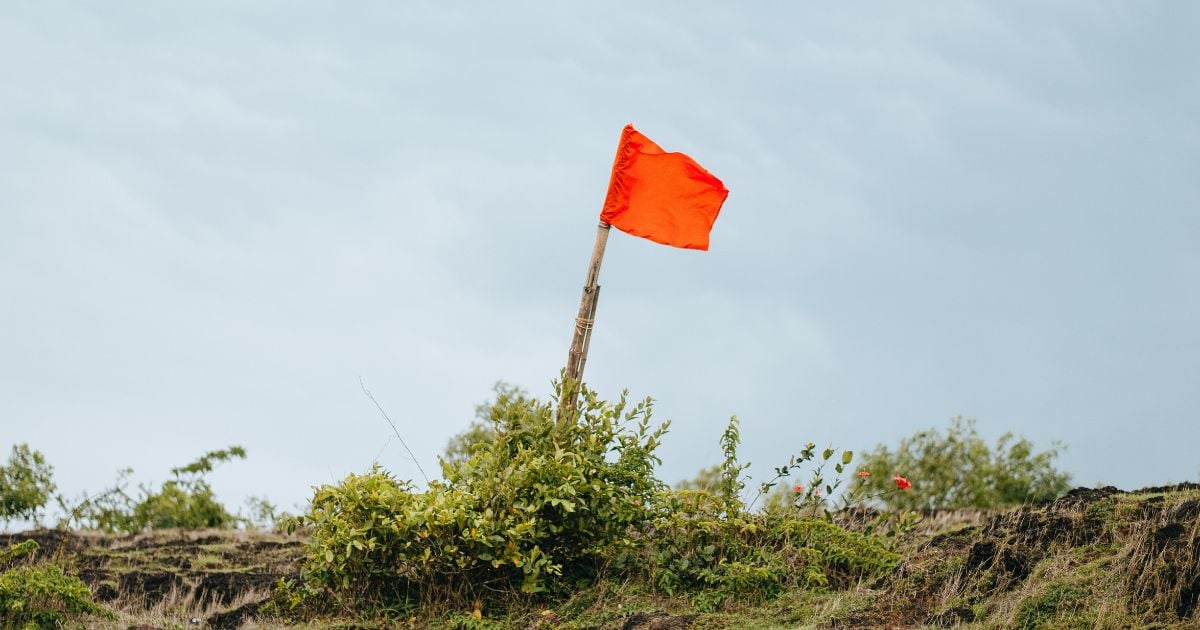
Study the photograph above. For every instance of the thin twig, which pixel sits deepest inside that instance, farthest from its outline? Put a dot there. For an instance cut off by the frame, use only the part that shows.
(371, 397)
(382, 449)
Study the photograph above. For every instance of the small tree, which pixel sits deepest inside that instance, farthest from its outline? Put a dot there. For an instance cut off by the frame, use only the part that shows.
(506, 397)
(706, 479)
(26, 484)
(958, 469)
(187, 501)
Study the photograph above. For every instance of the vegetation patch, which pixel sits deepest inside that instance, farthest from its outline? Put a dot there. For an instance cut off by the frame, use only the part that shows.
(1095, 558)
(550, 516)
(154, 578)
(39, 594)
(548, 504)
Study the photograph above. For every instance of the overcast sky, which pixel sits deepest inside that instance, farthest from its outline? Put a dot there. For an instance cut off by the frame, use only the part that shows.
(214, 219)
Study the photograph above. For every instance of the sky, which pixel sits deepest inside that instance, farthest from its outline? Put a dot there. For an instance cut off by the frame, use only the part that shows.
(216, 218)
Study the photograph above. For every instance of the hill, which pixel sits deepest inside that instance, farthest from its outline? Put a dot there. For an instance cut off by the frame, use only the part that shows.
(1095, 558)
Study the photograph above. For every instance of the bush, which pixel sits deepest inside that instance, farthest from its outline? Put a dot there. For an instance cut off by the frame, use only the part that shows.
(506, 397)
(694, 547)
(187, 501)
(41, 596)
(957, 469)
(550, 504)
(545, 500)
(26, 484)
(705, 542)
(707, 479)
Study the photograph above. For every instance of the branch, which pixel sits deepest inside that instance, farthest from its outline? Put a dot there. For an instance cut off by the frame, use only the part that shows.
(412, 457)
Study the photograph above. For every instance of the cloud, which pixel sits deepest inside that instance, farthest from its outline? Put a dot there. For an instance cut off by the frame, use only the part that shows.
(214, 222)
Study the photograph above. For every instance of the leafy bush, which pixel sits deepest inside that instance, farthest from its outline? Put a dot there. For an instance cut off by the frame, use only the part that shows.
(707, 479)
(693, 547)
(187, 501)
(505, 397)
(958, 469)
(705, 542)
(41, 596)
(261, 514)
(26, 484)
(550, 503)
(546, 498)
(820, 494)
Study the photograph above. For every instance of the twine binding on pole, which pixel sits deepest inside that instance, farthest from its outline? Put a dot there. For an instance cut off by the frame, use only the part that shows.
(584, 323)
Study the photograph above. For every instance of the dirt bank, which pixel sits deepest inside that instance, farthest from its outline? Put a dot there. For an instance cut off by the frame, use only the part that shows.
(207, 578)
(1095, 558)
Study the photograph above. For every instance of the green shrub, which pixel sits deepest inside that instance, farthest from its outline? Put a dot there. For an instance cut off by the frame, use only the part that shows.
(958, 469)
(753, 557)
(549, 504)
(704, 542)
(505, 397)
(186, 501)
(545, 502)
(26, 484)
(707, 480)
(261, 514)
(41, 596)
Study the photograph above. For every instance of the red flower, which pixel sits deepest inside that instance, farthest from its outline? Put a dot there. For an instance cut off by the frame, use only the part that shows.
(863, 474)
(798, 488)
(901, 482)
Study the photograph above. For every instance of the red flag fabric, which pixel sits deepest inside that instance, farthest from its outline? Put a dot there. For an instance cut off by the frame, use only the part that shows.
(665, 197)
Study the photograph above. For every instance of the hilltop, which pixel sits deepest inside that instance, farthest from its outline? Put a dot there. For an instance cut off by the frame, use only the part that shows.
(1095, 558)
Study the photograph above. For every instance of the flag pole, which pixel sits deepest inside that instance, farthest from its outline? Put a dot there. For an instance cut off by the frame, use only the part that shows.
(577, 356)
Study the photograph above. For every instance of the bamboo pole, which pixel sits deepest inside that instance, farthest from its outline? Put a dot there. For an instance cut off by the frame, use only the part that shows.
(577, 356)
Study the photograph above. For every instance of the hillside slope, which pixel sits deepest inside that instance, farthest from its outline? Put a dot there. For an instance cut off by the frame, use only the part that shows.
(1096, 558)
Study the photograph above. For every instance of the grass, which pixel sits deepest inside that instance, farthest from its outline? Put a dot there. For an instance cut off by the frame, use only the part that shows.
(1116, 560)
(167, 579)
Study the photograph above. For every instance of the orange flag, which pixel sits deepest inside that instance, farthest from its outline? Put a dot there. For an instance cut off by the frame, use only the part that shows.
(665, 197)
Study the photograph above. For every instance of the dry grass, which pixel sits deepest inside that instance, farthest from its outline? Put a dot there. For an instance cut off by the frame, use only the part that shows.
(166, 579)
(180, 608)
(1096, 559)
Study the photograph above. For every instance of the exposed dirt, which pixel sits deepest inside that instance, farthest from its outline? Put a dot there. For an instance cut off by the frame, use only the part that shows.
(1137, 554)
(1093, 558)
(657, 621)
(224, 574)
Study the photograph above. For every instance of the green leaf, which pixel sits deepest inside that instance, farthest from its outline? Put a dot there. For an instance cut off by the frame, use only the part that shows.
(847, 457)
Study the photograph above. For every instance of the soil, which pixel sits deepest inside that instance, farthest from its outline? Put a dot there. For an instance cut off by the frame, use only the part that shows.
(1140, 548)
(657, 621)
(226, 574)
